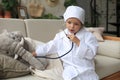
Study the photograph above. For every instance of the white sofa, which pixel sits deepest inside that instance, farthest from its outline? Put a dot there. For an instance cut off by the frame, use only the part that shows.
(108, 56)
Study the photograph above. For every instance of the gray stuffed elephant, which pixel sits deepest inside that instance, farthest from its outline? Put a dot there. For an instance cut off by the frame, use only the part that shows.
(14, 45)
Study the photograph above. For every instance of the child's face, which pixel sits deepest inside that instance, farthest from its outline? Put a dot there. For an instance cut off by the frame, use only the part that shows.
(73, 25)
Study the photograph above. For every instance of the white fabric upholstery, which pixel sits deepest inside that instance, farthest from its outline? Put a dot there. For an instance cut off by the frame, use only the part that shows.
(106, 65)
(43, 30)
(28, 77)
(13, 25)
(109, 48)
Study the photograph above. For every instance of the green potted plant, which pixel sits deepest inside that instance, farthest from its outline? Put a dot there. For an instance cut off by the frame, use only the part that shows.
(69, 3)
(1, 11)
(10, 7)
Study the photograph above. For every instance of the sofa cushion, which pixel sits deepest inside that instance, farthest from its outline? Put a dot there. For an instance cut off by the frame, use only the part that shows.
(27, 77)
(109, 48)
(106, 65)
(13, 25)
(43, 29)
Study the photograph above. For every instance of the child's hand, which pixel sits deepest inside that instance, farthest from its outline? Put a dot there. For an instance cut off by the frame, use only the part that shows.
(34, 53)
(74, 39)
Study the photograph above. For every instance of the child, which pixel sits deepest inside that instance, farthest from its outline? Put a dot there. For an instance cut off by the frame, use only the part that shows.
(78, 64)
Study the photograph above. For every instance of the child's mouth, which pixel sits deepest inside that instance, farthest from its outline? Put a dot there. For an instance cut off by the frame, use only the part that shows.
(72, 31)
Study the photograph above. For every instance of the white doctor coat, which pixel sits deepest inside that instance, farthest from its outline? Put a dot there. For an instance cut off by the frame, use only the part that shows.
(79, 63)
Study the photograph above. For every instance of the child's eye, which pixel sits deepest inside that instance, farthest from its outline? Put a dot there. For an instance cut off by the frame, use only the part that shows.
(76, 24)
(69, 22)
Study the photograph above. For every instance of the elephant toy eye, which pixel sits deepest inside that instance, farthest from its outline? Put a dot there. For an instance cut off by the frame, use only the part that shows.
(14, 38)
(7, 52)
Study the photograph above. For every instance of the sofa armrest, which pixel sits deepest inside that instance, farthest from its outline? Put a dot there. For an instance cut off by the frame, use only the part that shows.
(110, 47)
(111, 38)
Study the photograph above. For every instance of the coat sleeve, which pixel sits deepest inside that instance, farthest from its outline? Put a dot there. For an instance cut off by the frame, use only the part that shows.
(47, 48)
(88, 46)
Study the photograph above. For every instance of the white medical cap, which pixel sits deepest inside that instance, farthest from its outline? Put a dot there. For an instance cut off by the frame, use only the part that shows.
(76, 12)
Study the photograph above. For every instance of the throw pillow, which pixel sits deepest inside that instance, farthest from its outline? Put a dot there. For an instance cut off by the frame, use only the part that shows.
(97, 32)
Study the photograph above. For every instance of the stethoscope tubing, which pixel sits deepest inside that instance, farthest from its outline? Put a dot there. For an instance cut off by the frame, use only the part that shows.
(58, 56)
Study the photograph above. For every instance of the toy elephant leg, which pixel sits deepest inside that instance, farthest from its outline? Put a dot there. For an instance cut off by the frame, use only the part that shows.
(27, 56)
(43, 61)
(32, 60)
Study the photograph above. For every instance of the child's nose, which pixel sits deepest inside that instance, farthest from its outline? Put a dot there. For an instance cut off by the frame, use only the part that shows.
(72, 25)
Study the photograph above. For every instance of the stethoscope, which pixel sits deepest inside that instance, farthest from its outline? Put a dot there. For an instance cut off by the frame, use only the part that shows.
(58, 56)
